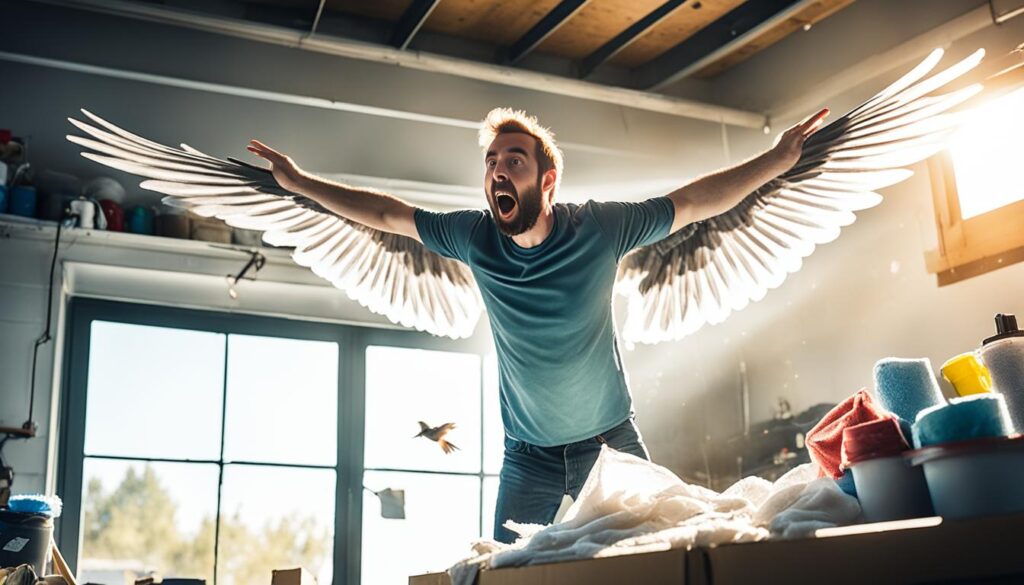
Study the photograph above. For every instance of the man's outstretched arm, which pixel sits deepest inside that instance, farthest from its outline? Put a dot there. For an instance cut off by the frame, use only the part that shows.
(371, 208)
(719, 192)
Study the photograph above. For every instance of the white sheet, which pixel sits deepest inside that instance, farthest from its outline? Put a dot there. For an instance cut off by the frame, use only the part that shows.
(629, 505)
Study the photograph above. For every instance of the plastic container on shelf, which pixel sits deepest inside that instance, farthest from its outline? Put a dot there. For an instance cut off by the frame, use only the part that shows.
(980, 477)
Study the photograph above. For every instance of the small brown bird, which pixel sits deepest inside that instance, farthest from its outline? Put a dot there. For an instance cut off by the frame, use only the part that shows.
(437, 434)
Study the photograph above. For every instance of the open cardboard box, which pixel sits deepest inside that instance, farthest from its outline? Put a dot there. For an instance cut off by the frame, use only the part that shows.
(921, 551)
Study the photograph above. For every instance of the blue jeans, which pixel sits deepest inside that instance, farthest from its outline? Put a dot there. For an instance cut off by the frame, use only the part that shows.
(534, 479)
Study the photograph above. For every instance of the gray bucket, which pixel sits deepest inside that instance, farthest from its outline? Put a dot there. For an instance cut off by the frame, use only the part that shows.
(24, 538)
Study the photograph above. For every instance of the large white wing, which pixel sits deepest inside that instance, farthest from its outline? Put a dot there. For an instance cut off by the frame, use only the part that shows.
(705, 271)
(389, 274)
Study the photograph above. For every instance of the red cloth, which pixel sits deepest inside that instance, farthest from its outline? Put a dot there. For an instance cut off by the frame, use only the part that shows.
(870, 440)
(825, 440)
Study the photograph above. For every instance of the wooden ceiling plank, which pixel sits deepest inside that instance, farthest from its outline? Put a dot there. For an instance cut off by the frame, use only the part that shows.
(542, 30)
(680, 61)
(813, 14)
(588, 64)
(412, 19)
(682, 24)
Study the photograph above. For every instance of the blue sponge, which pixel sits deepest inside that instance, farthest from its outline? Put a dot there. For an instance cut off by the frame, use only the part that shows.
(846, 484)
(36, 504)
(905, 387)
(971, 417)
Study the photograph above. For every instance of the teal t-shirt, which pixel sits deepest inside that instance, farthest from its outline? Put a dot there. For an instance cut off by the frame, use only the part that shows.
(560, 375)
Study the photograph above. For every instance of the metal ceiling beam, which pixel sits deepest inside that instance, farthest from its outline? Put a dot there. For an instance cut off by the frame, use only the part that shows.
(588, 64)
(432, 63)
(716, 40)
(412, 19)
(558, 16)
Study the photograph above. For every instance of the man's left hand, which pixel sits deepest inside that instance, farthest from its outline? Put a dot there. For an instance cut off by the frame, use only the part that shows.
(790, 143)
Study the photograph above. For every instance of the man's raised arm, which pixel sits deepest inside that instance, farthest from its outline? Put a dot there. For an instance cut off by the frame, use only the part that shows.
(371, 208)
(719, 192)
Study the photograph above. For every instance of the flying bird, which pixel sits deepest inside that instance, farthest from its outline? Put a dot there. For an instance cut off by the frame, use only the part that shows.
(437, 434)
(696, 276)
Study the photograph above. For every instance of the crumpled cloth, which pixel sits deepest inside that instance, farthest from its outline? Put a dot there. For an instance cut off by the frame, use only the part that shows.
(825, 440)
(629, 505)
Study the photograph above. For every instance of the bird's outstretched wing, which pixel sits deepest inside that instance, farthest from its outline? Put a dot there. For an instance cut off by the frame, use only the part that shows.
(389, 274)
(703, 272)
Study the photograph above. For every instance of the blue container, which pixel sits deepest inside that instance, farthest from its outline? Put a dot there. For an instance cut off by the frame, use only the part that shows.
(3, 199)
(23, 201)
(139, 221)
(980, 477)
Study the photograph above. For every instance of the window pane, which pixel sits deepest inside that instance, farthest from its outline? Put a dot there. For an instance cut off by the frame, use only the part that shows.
(494, 431)
(275, 518)
(404, 386)
(986, 156)
(490, 501)
(441, 521)
(147, 517)
(154, 392)
(282, 404)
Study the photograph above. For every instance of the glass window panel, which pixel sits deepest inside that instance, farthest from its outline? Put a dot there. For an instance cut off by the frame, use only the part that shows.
(154, 392)
(404, 386)
(282, 403)
(141, 517)
(441, 521)
(986, 156)
(275, 518)
(490, 501)
(494, 430)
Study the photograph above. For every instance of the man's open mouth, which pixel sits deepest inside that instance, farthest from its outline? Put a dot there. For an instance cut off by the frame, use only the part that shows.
(505, 201)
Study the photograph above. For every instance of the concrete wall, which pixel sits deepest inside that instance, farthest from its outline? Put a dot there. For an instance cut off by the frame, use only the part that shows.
(814, 339)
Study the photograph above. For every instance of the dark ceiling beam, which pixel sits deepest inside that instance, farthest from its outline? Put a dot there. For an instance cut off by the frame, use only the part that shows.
(727, 31)
(558, 16)
(588, 64)
(412, 19)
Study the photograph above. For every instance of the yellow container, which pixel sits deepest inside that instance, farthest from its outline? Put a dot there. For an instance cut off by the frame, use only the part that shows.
(967, 374)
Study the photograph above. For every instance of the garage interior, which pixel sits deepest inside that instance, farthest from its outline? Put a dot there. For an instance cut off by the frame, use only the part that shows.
(181, 401)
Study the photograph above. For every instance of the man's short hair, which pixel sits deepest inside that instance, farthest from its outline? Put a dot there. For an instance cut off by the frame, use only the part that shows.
(507, 120)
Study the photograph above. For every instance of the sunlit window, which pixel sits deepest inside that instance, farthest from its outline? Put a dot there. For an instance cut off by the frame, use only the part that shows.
(449, 497)
(988, 152)
(207, 450)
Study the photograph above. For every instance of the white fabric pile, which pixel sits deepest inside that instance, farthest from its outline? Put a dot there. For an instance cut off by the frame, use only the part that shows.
(629, 505)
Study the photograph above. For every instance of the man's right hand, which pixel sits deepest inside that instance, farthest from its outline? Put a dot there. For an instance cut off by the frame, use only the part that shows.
(287, 174)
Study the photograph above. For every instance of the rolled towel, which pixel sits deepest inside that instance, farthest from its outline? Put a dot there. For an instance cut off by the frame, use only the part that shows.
(905, 387)
(970, 417)
(871, 440)
(825, 440)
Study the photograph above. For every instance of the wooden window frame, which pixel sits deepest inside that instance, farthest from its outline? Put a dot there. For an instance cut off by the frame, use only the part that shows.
(976, 245)
(986, 242)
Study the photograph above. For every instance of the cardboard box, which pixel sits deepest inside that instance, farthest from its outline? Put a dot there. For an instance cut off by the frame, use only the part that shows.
(916, 552)
(660, 568)
(297, 576)
(977, 550)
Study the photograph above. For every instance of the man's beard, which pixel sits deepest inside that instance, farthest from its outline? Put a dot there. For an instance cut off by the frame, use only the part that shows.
(526, 216)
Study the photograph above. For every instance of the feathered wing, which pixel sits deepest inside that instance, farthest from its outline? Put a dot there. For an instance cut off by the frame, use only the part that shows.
(389, 274)
(705, 271)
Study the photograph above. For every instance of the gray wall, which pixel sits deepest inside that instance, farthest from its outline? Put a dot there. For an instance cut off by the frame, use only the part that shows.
(813, 340)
